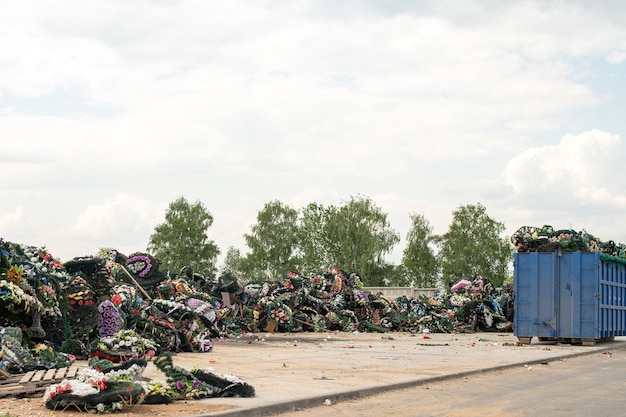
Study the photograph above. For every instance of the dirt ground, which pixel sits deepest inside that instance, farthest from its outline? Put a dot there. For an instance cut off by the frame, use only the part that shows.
(34, 407)
(286, 368)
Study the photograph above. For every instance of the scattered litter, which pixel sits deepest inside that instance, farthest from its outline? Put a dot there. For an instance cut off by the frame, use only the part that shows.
(327, 402)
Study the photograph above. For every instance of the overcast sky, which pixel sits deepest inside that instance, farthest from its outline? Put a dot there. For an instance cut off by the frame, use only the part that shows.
(110, 110)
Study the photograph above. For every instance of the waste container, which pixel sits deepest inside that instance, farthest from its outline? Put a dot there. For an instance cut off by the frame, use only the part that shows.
(575, 296)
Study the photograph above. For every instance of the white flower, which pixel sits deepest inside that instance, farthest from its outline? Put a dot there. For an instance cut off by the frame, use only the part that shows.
(86, 375)
(82, 388)
(130, 374)
(211, 315)
(232, 378)
(100, 407)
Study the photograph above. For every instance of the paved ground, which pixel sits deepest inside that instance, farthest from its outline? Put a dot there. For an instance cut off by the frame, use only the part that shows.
(296, 371)
(582, 386)
(293, 371)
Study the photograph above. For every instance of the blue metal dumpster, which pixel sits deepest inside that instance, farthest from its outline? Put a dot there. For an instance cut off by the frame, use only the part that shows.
(577, 296)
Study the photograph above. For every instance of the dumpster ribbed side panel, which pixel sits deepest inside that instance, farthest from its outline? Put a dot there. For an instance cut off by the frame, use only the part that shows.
(612, 298)
(572, 295)
(535, 298)
(578, 289)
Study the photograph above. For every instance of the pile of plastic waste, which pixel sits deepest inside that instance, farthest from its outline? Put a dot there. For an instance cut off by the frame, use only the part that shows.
(115, 307)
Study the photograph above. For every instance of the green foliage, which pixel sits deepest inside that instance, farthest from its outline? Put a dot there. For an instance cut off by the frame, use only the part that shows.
(420, 265)
(381, 274)
(357, 236)
(313, 241)
(233, 262)
(472, 245)
(181, 241)
(354, 237)
(272, 242)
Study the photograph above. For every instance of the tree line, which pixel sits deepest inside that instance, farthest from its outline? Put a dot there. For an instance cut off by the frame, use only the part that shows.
(354, 236)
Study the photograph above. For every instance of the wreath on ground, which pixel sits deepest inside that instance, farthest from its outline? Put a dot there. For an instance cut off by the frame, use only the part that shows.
(204, 383)
(97, 391)
(106, 388)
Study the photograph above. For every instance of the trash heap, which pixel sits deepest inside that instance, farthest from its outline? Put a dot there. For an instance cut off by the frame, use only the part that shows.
(120, 311)
(115, 307)
(110, 389)
(547, 239)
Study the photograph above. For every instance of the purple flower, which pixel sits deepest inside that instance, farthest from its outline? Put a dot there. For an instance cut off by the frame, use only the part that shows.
(140, 264)
(109, 320)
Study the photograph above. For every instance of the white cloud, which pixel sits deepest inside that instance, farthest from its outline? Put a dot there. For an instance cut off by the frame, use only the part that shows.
(124, 222)
(580, 170)
(110, 110)
(12, 223)
(577, 183)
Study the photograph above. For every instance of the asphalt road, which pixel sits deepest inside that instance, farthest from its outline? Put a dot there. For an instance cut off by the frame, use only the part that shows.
(589, 385)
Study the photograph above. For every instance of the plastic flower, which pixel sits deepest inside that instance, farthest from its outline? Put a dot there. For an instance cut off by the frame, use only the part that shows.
(109, 320)
(15, 274)
(461, 285)
(360, 297)
(101, 384)
(116, 299)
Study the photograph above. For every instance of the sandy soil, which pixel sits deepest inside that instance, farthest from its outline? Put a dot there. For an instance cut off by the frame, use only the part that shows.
(34, 407)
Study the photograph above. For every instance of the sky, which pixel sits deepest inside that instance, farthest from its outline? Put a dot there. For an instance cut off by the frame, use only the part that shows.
(111, 110)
